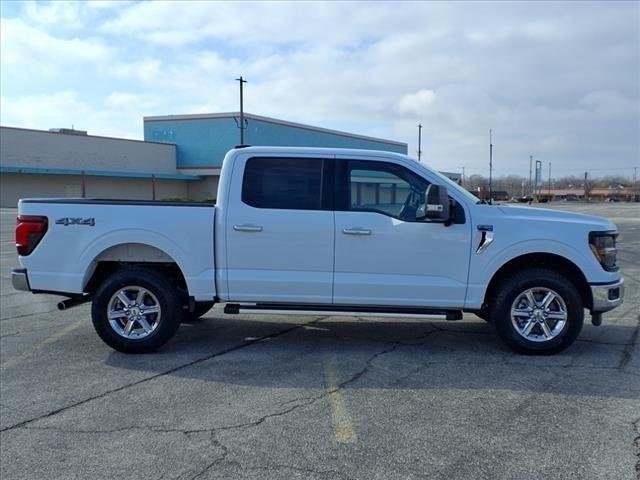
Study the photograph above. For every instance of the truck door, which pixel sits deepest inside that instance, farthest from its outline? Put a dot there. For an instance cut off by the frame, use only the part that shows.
(280, 230)
(383, 254)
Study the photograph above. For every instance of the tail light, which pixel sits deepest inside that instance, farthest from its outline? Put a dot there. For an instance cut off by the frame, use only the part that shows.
(29, 231)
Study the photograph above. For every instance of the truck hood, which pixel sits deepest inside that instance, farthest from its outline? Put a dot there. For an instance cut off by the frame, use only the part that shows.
(548, 215)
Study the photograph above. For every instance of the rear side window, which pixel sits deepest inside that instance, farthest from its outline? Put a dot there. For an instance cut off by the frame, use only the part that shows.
(283, 183)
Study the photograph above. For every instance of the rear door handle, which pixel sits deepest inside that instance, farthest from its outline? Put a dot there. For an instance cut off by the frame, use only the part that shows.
(247, 228)
(356, 231)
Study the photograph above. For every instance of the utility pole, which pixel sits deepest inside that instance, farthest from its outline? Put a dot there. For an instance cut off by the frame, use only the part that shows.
(586, 188)
(490, 168)
(242, 125)
(419, 141)
(538, 179)
(549, 181)
(530, 181)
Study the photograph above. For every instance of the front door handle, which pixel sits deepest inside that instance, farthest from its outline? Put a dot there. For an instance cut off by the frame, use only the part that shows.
(356, 231)
(247, 228)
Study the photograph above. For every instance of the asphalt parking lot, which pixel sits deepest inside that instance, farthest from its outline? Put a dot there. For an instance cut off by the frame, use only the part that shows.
(274, 397)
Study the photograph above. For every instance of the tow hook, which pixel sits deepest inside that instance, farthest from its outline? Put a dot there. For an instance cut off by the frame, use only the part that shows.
(596, 319)
(72, 302)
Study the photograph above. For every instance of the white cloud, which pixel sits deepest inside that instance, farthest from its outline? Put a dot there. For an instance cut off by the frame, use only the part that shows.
(22, 44)
(129, 101)
(557, 80)
(416, 103)
(142, 70)
(65, 109)
(54, 13)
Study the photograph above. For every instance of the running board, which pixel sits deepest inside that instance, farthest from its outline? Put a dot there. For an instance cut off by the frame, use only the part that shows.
(342, 310)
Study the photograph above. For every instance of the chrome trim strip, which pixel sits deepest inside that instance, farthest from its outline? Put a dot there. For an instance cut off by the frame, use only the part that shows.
(487, 239)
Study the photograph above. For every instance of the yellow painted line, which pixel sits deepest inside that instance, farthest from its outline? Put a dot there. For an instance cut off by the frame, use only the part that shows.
(340, 419)
(47, 341)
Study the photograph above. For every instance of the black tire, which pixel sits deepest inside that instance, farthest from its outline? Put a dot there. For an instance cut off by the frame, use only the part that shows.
(541, 279)
(166, 322)
(199, 310)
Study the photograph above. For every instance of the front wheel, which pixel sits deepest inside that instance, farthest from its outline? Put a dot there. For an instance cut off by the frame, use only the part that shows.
(538, 311)
(136, 310)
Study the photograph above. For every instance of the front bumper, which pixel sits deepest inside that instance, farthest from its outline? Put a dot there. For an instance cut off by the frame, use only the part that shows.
(607, 297)
(19, 279)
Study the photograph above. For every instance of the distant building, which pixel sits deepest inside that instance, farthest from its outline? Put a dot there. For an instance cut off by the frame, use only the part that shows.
(202, 140)
(625, 194)
(180, 156)
(455, 177)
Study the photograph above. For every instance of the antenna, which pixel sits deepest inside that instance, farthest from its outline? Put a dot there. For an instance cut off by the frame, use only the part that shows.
(490, 168)
(243, 124)
(419, 141)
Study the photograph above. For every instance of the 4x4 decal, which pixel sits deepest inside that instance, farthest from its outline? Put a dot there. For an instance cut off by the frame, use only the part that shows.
(66, 221)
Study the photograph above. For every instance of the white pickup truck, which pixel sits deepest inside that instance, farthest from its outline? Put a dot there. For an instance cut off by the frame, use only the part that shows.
(321, 231)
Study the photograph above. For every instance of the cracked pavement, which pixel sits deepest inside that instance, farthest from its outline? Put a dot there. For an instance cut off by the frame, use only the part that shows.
(248, 396)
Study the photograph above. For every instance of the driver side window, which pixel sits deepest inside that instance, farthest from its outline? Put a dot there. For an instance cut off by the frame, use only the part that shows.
(386, 188)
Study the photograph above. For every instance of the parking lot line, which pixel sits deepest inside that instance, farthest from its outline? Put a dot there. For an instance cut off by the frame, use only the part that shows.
(340, 419)
(50, 339)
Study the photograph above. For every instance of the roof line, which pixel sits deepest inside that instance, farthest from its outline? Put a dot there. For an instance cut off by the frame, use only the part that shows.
(87, 136)
(206, 116)
(98, 173)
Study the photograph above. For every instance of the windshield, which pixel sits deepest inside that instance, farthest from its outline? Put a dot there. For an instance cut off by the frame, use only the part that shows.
(453, 185)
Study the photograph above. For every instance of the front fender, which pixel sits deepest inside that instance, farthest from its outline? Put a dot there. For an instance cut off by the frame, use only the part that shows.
(483, 266)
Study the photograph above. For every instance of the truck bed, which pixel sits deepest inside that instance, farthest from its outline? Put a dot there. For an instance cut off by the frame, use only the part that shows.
(82, 232)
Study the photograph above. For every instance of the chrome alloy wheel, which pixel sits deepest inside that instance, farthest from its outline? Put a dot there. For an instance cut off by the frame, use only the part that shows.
(134, 312)
(539, 314)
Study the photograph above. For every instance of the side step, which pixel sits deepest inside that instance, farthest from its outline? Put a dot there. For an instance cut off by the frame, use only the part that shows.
(361, 311)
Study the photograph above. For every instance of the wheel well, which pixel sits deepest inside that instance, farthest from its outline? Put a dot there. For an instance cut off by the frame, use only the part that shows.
(541, 260)
(126, 255)
(106, 268)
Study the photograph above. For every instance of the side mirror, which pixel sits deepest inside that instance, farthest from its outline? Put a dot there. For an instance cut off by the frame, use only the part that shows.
(436, 203)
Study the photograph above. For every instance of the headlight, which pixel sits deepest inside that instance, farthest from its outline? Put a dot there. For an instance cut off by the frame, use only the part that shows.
(603, 246)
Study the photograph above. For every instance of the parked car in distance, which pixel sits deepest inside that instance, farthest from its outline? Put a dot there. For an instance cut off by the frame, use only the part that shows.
(321, 231)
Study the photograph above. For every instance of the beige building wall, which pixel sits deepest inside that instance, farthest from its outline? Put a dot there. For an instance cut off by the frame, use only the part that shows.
(204, 189)
(14, 186)
(25, 148)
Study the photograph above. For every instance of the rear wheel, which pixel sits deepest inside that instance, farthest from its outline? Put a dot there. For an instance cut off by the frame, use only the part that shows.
(538, 311)
(136, 310)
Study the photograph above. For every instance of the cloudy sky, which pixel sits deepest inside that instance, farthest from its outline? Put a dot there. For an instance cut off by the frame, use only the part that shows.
(560, 81)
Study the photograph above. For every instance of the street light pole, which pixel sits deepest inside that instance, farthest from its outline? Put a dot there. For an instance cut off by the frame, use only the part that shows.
(538, 179)
(419, 141)
(530, 180)
(490, 168)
